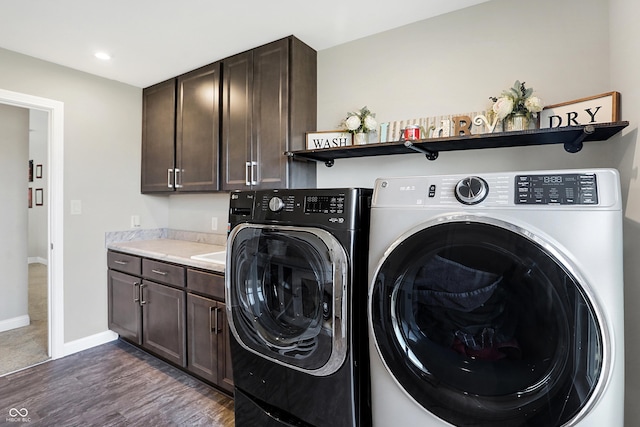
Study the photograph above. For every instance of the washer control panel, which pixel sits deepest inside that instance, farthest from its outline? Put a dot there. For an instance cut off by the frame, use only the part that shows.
(564, 189)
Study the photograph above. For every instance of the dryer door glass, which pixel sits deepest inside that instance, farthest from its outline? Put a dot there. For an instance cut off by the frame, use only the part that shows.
(483, 326)
(284, 288)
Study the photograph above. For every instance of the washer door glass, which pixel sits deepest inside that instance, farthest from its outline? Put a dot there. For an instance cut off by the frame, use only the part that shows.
(284, 293)
(483, 326)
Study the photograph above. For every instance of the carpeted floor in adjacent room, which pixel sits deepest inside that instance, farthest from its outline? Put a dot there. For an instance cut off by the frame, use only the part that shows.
(27, 346)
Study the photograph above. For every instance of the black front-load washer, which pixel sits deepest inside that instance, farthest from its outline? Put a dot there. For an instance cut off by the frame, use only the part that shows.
(296, 283)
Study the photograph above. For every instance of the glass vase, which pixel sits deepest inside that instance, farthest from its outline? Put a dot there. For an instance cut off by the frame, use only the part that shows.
(517, 121)
(360, 138)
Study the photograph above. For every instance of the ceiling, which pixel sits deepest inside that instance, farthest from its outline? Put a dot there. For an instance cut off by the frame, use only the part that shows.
(153, 40)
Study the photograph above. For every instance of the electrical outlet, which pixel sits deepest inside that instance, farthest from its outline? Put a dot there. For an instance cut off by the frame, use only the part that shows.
(135, 221)
(214, 223)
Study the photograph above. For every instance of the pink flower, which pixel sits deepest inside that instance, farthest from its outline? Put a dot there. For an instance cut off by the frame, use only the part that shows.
(503, 107)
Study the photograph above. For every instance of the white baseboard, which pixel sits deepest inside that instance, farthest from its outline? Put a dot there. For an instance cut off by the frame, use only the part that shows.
(37, 260)
(14, 322)
(89, 342)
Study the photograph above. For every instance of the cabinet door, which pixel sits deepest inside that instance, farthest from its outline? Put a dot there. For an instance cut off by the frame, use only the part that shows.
(203, 336)
(163, 320)
(237, 104)
(198, 129)
(270, 114)
(125, 316)
(158, 137)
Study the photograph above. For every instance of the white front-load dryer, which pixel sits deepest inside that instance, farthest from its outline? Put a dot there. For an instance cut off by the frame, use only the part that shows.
(497, 300)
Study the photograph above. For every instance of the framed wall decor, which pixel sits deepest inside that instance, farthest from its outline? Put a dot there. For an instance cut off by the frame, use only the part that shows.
(38, 171)
(30, 198)
(30, 170)
(603, 108)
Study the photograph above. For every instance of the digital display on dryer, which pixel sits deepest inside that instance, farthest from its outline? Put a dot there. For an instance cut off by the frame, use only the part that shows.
(562, 189)
(324, 204)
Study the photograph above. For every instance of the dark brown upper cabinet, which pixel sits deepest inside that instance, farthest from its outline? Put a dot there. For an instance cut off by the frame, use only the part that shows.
(158, 136)
(269, 97)
(181, 133)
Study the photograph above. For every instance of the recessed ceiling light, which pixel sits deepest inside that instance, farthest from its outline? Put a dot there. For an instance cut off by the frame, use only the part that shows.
(103, 55)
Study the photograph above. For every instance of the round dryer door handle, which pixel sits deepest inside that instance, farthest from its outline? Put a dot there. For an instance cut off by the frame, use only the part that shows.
(471, 190)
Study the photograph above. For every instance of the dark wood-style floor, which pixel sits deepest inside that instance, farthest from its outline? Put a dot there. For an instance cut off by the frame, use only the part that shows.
(114, 384)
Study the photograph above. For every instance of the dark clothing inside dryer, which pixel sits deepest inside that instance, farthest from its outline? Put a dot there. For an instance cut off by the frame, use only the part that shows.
(465, 309)
(484, 327)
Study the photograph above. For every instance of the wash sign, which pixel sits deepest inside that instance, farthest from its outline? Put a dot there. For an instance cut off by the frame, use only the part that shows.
(603, 108)
(330, 139)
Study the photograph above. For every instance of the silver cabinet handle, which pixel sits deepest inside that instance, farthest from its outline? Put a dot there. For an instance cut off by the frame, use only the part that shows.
(254, 167)
(216, 312)
(142, 301)
(162, 273)
(178, 179)
(169, 172)
(120, 262)
(136, 292)
(247, 172)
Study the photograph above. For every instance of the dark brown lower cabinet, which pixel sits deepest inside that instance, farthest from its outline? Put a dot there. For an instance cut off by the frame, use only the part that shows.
(125, 312)
(207, 329)
(163, 321)
(207, 335)
(148, 314)
(185, 325)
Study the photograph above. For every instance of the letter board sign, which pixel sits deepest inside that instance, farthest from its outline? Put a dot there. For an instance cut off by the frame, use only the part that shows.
(604, 108)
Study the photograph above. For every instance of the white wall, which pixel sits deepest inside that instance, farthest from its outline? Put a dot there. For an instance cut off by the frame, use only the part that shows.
(102, 131)
(625, 76)
(38, 150)
(452, 64)
(14, 146)
(194, 212)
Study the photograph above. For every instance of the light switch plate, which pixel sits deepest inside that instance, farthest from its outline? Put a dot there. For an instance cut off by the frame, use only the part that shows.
(76, 207)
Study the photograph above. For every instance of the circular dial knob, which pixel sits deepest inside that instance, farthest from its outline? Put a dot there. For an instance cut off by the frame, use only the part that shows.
(471, 190)
(276, 204)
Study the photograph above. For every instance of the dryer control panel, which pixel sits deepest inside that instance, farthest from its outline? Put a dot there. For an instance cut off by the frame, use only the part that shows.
(564, 189)
(335, 208)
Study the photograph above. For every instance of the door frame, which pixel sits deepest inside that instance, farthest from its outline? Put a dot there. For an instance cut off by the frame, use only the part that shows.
(55, 204)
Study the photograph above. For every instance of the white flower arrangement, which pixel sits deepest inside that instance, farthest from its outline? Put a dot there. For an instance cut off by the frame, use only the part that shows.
(517, 100)
(360, 121)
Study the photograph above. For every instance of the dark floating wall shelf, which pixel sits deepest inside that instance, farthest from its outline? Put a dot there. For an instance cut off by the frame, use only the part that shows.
(571, 136)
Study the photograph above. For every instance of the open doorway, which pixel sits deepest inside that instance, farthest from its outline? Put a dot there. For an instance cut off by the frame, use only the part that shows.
(53, 203)
(24, 284)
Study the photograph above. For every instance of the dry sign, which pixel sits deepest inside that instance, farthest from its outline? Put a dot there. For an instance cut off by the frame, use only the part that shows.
(603, 108)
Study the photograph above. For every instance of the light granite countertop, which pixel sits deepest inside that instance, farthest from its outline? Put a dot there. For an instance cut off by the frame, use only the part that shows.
(170, 250)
